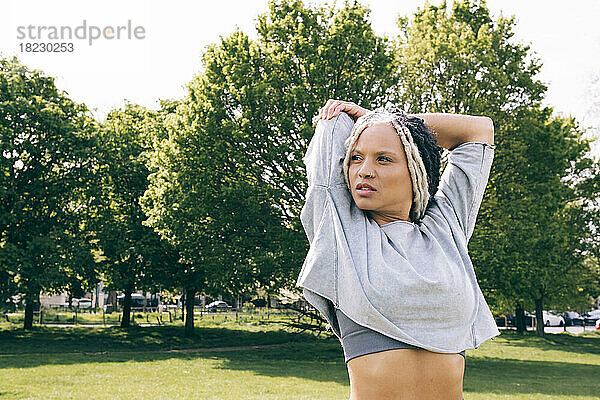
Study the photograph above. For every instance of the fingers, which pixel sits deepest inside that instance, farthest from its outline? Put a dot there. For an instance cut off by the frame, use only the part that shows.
(333, 107)
(343, 106)
(327, 108)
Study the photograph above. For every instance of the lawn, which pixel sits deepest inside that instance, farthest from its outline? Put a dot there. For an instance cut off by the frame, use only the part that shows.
(108, 363)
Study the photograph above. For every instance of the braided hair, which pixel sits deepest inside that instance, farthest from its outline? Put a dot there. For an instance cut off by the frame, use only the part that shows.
(423, 154)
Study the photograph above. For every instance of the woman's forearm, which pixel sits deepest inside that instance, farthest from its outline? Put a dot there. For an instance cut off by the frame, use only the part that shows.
(452, 129)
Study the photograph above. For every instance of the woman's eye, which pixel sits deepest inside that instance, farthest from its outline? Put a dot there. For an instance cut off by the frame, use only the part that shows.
(380, 158)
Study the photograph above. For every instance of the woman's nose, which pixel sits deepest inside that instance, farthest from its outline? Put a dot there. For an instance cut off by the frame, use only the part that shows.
(365, 170)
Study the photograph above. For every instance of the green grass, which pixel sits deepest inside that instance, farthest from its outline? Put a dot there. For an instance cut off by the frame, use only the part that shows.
(89, 316)
(213, 330)
(108, 363)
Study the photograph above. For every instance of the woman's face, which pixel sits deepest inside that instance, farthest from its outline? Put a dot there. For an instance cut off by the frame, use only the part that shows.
(378, 159)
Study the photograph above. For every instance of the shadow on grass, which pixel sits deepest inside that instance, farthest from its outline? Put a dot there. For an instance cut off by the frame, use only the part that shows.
(54, 340)
(319, 361)
(513, 377)
(586, 343)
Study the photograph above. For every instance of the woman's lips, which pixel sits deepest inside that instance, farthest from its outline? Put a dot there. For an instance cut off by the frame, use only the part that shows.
(364, 191)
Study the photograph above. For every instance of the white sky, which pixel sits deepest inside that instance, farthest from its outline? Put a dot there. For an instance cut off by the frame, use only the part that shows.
(565, 36)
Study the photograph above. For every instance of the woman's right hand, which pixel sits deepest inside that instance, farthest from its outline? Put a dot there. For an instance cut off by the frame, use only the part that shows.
(333, 107)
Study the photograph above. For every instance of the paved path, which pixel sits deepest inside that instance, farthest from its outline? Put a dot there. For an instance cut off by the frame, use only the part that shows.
(558, 329)
(197, 350)
(209, 349)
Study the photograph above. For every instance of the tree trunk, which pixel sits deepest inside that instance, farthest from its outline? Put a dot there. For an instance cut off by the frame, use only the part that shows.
(190, 295)
(31, 299)
(520, 319)
(183, 304)
(96, 302)
(539, 317)
(125, 321)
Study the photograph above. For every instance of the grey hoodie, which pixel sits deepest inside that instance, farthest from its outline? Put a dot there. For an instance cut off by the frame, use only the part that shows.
(412, 282)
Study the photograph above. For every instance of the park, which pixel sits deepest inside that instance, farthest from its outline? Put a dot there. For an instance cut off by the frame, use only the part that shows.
(120, 236)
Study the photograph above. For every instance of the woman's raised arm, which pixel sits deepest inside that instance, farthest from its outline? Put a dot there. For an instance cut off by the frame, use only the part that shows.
(451, 130)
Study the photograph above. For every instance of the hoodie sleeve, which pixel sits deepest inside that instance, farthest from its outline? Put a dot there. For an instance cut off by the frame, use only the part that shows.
(464, 180)
(324, 161)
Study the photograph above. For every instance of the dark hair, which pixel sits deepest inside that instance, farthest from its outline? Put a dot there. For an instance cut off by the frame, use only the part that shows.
(429, 150)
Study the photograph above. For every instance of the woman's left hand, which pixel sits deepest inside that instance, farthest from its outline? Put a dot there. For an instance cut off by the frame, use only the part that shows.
(333, 107)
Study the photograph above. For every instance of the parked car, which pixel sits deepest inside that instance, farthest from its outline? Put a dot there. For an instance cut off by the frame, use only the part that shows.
(529, 318)
(591, 317)
(551, 319)
(504, 320)
(137, 300)
(573, 318)
(82, 303)
(218, 305)
(511, 319)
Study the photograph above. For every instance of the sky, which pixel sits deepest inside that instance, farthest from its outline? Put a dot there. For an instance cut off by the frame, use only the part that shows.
(164, 53)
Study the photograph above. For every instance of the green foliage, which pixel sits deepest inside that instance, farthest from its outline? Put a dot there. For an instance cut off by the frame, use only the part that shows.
(133, 255)
(538, 227)
(459, 60)
(48, 185)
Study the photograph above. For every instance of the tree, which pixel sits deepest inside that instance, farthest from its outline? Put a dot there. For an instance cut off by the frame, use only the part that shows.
(263, 95)
(220, 229)
(48, 186)
(134, 256)
(545, 240)
(461, 61)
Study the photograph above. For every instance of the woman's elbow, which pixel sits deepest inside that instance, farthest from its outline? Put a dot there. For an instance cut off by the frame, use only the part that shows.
(485, 131)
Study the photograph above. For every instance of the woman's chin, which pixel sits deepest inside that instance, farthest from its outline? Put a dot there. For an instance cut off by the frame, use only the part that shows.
(364, 204)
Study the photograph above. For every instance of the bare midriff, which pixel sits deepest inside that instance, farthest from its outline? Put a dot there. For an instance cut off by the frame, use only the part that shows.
(406, 374)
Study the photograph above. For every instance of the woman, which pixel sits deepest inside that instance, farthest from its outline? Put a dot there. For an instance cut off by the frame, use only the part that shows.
(388, 265)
